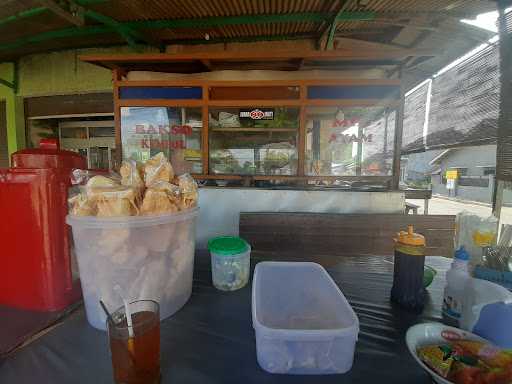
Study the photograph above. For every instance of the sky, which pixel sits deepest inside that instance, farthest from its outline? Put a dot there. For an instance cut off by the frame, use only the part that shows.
(485, 21)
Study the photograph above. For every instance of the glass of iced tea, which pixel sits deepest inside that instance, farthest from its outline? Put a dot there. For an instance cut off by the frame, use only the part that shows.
(136, 352)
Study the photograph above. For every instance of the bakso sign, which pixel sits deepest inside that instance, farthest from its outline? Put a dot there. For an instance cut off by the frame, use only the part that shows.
(162, 144)
(165, 131)
(257, 114)
(150, 129)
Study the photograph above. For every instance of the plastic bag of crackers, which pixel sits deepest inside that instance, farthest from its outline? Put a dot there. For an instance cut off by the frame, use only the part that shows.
(145, 189)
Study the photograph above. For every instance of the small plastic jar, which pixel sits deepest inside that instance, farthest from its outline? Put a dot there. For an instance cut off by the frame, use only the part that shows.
(230, 262)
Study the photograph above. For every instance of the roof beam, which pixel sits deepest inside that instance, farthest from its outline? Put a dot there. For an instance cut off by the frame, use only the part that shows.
(23, 15)
(334, 25)
(328, 29)
(8, 84)
(73, 14)
(207, 64)
(130, 34)
(209, 22)
(130, 29)
(241, 39)
(262, 55)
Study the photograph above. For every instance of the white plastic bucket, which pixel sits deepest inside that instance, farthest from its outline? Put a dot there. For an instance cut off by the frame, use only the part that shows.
(150, 257)
(303, 323)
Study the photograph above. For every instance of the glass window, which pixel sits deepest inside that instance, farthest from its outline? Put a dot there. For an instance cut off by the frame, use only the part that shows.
(253, 141)
(175, 131)
(74, 133)
(102, 131)
(489, 171)
(349, 141)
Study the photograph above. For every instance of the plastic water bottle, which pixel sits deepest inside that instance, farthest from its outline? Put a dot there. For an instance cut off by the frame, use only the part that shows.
(454, 291)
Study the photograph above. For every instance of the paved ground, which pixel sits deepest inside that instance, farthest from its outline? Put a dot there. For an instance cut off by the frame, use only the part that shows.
(439, 206)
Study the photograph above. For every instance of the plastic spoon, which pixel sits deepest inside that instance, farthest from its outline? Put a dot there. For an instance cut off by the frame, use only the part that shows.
(131, 344)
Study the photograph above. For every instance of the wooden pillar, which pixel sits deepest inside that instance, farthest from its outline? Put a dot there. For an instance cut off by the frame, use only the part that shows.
(301, 147)
(359, 156)
(397, 147)
(204, 132)
(116, 76)
(503, 150)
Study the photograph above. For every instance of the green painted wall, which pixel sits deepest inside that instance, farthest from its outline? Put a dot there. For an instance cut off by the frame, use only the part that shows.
(14, 110)
(48, 74)
(60, 73)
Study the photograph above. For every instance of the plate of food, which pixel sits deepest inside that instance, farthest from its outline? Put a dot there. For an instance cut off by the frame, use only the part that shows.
(453, 356)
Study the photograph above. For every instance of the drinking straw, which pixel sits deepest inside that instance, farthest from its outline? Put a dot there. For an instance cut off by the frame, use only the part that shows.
(119, 291)
(109, 316)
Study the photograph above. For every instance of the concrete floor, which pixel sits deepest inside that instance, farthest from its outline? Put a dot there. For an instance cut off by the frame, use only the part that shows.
(438, 206)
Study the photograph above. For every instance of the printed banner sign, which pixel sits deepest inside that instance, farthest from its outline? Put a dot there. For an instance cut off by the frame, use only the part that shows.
(257, 114)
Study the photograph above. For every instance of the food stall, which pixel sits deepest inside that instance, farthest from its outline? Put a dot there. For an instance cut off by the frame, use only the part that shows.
(313, 140)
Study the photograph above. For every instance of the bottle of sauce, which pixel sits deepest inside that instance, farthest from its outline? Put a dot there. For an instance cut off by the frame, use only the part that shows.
(455, 289)
(408, 290)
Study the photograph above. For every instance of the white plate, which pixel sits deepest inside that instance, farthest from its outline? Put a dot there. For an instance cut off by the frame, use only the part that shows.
(435, 333)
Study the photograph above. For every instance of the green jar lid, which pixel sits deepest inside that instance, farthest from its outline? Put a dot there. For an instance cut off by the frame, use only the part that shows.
(227, 245)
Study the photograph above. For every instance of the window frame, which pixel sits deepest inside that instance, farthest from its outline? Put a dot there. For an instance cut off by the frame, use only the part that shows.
(302, 103)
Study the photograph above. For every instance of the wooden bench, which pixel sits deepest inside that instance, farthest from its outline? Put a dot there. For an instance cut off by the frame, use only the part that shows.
(328, 236)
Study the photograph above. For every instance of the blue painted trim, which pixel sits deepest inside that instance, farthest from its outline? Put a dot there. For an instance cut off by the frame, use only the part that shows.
(354, 92)
(193, 93)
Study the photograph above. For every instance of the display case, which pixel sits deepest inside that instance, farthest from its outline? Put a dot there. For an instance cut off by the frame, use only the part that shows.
(253, 141)
(291, 132)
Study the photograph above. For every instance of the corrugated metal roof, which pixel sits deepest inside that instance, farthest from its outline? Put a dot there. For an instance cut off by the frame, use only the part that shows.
(35, 33)
(129, 10)
(418, 6)
(12, 7)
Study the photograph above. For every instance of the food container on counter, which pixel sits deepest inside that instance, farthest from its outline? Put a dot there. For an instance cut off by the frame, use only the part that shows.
(303, 323)
(150, 257)
(230, 258)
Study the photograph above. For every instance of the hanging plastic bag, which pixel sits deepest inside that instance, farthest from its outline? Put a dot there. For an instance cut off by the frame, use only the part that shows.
(158, 168)
(475, 234)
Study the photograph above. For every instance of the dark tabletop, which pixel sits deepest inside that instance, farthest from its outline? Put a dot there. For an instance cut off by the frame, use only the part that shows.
(211, 340)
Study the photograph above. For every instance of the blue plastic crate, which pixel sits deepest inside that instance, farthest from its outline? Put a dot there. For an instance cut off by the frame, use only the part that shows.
(499, 277)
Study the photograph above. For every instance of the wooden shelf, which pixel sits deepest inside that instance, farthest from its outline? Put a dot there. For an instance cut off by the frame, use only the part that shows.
(254, 129)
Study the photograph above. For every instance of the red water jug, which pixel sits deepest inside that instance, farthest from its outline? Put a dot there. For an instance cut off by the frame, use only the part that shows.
(37, 267)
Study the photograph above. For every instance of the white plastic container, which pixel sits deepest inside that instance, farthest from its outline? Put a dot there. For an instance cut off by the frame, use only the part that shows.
(150, 257)
(231, 259)
(303, 323)
(456, 279)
